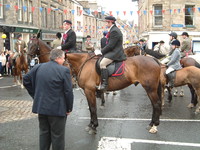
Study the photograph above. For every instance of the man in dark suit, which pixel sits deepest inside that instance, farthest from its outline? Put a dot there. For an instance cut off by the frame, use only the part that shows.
(69, 38)
(49, 84)
(113, 51)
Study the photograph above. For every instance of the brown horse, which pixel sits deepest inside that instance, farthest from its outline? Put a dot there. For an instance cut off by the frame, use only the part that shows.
(186, 76)
(139, 69)
(132, 51)
(37, 47)
(20, 66)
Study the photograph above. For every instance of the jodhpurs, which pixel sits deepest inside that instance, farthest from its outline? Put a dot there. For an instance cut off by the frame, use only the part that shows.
(104, 62)
(170, 69)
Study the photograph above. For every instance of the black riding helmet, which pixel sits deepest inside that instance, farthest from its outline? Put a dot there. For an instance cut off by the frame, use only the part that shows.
(173, 34)
(176, 43)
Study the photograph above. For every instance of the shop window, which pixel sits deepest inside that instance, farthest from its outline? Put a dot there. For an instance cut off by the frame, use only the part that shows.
(1, 9)
(25, 10)
(158, 15)
(44, 16)
(189, 15)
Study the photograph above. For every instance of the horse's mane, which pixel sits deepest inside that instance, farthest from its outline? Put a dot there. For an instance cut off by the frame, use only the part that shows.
(45, 44)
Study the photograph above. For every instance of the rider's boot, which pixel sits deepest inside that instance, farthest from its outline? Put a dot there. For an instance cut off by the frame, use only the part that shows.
(170, 80)
(104, 80)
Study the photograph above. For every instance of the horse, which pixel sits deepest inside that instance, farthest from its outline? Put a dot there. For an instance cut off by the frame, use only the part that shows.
(37, 47)
(185, 62)
(132, 51)
(138, 69)
(186, 76)
(19, 66)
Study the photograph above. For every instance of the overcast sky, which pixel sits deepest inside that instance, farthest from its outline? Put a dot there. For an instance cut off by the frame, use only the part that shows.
(121, 5)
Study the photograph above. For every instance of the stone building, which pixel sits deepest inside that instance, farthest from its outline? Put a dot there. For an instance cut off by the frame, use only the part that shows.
(157, 18)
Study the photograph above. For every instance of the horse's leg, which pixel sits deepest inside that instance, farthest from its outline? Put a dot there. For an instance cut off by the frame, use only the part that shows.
(194, 97)
(155, 97)
(100, 94)
(21, 80)
(90, 95)
(182, 92)
(176, 92)
(197, 90)
(169, 94)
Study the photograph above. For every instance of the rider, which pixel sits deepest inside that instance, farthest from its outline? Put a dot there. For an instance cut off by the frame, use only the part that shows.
(19, 45)
(69, 38)
(113, 51)
(104, 39)
(186, 45)
(174, 61)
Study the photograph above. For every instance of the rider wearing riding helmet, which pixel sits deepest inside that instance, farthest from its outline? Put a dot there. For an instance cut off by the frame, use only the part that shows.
(174, 61)
(104, 39)
(113, 51)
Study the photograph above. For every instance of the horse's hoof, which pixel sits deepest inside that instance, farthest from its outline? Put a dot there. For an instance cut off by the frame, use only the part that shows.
(102, 107)
(114, 93)
(175, 94)
(92, 131)
(148, 127)
(153, 130)
(181, 94)
(87, 129)
(191, 105)
(165, 90)
(197, 110)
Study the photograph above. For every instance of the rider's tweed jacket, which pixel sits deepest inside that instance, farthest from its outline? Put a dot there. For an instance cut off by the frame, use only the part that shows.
(175, 60)
(186, 46)
(114, 50)
(70, 42)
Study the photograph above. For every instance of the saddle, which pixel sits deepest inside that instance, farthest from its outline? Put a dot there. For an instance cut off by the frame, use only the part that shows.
(114, 69)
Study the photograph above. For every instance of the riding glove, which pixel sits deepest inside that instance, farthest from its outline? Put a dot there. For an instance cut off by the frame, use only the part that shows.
(59, 47)
(97, 52)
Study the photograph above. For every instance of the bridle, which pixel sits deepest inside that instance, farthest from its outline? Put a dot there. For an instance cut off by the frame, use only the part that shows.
(37, 51)
(82, 65)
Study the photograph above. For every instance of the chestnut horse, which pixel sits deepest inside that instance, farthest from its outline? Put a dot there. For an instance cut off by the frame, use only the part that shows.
(139, 69)
(186, 76)
(20, 66)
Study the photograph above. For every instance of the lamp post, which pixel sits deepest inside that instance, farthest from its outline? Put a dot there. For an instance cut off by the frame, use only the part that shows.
(4, 36)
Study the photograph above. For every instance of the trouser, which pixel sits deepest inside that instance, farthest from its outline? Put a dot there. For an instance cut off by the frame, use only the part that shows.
(52, 131)
(15, 55)
(105, 62)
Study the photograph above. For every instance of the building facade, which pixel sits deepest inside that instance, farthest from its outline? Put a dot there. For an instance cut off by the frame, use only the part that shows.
(158, 18)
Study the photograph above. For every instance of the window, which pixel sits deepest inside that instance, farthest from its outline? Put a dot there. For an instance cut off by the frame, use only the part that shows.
(25, 10)
(158, 15)
(44, 16)
(53, 17)
(30, 13)
(1, 9)
(189, 15)
(19, 10)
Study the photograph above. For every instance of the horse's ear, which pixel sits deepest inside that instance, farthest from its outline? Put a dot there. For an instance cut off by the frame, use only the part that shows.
(38, 34)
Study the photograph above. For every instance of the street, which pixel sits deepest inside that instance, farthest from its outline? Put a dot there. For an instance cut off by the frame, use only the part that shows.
(122, 123)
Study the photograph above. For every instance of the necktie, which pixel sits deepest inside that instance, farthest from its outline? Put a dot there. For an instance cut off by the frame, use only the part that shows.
(64, 38)
(107, 37)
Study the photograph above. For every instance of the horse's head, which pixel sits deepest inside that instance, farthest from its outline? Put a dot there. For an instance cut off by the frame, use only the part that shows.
(132, 51)
(33, 48)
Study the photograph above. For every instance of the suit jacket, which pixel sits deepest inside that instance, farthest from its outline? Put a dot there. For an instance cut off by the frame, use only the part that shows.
(103, 42)
(70, 42)
(17, 43)
(114, 50)
(49, 84)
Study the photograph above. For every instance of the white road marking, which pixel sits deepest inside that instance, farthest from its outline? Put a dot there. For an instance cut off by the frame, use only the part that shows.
(111, 143)
(4, 87)
(140, 119)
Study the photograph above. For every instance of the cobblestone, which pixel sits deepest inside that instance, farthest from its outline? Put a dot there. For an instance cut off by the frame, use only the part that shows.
(14, 110)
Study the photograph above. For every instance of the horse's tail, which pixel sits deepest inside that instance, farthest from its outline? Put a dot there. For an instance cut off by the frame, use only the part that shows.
(159, 92)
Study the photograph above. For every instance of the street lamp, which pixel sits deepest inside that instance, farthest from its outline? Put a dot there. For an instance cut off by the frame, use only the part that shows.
(4, 36)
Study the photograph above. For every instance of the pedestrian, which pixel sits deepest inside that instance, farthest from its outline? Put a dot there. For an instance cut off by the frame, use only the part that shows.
(3, 63)
(69, 38)
(49, 84)
(174, 61)
(113, 51)
(88, 44)
(186, 45)
(142, 46)
(19, 45)
(104, 39)
(57, 42)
